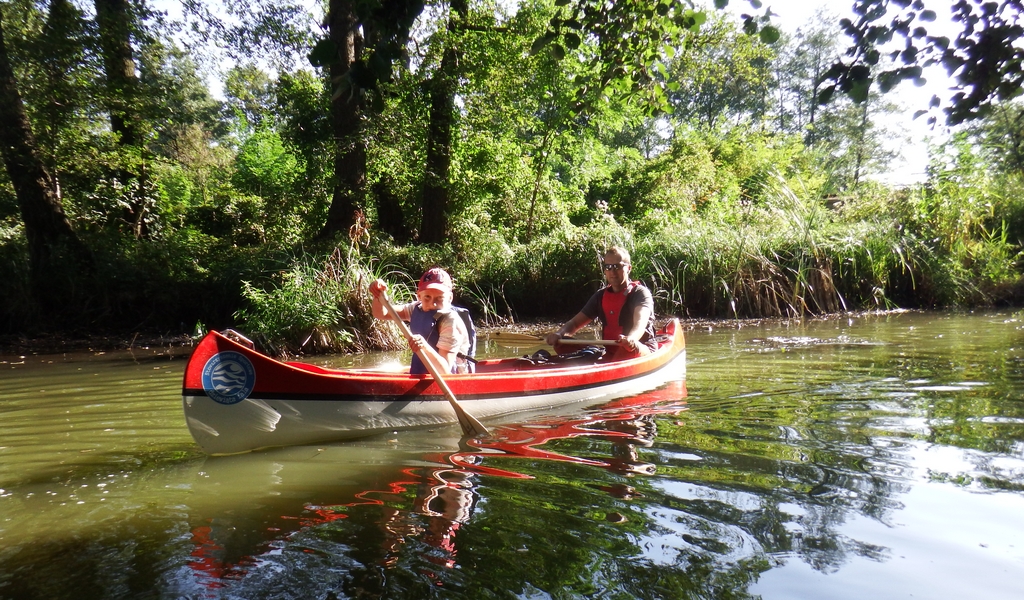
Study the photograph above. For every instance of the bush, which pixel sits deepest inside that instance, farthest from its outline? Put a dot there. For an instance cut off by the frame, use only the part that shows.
(317, 308)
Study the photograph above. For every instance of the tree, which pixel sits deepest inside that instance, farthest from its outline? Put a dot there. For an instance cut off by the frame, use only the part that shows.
(347, 104)
(47, 228)
(363, 41)
(1001, 135)
(722, 74)
(117, 20)
(441, 91)
(631, 37)
(986, 60)
(800, 69)
(854, 143)
(303, 120)
(250, 95)
(62, 86)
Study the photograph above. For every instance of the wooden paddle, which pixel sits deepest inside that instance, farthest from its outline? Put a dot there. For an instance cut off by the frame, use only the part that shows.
(509, 337)
(470, 425)
(576, 342)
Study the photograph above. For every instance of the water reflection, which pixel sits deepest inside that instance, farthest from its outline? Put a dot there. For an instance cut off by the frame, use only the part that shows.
(861, 458)
(229, 547)
(421, 507)
(626, 424)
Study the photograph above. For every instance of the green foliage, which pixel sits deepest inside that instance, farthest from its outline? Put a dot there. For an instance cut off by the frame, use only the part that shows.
(632, 42)
(263, 166)
(16, 307)
(966, 217)
(267, 172)
(1001, 137)
(177, 100)
(323, 307)
(984, 59)
(721, 75)
(301, 112)
(100, 194)
(703, 173)
(703, 150)
(250, 96)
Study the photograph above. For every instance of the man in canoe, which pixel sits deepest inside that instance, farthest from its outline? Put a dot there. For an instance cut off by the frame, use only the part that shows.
(624, 307)
(437, 328)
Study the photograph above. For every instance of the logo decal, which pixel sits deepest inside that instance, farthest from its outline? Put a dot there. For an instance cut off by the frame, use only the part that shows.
(228, 377)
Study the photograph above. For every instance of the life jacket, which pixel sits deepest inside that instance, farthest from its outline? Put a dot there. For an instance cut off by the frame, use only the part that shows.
(425, 323)
(467, 318)
(611, 305)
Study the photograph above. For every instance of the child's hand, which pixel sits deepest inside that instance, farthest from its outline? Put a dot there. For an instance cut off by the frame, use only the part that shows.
(378, 287)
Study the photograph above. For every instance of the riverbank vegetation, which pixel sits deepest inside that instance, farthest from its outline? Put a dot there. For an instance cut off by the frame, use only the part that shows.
(471, 136)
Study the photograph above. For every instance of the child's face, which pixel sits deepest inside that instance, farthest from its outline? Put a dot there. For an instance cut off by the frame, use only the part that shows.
(432, 299)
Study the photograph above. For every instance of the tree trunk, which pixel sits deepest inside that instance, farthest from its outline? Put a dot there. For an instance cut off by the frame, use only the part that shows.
(115, 19)
(541, 160)
(346, 122)
(443, 87)
(390, 217)
(436, 190)
(861, 141)
(46, 226)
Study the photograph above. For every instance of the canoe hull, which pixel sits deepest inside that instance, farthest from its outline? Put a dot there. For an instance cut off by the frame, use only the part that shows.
(237, 400)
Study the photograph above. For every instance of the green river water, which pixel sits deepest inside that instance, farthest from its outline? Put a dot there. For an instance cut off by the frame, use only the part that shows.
(867, 456)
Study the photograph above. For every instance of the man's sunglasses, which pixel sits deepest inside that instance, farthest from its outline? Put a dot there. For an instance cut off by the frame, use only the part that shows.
(614, 267)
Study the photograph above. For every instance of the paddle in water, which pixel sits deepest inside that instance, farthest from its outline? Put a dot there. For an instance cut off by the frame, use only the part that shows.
(470, 425)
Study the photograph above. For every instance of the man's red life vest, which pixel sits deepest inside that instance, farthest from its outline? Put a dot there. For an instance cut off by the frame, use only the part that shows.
(611, 305)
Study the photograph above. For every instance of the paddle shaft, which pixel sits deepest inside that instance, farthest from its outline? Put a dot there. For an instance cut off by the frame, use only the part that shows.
(510, 336)
(575, 342)
(503, 336)
(470, 425)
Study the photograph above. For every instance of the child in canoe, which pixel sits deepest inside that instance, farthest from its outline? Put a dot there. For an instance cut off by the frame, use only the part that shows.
(438, 328)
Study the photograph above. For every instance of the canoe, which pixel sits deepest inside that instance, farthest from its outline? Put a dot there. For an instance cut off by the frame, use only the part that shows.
(237, 399)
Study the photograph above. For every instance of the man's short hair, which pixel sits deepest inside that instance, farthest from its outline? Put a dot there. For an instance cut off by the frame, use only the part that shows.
(622, 252)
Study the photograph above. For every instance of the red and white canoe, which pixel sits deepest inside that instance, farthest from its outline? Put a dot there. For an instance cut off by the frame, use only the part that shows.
(237, 399)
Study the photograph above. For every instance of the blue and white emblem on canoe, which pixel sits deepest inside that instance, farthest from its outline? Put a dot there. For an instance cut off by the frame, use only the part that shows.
(228, 377)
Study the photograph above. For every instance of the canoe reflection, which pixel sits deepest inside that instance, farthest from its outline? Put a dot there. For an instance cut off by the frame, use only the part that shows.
(627, 423)
(428, 502)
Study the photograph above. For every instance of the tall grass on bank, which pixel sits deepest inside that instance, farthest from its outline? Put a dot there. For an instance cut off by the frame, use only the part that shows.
(790, 257)
(321, 306)
(740, 272)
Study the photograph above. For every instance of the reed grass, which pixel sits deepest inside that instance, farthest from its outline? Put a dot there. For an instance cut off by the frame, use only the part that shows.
(787, 257)
(784, 255)
(318, 307)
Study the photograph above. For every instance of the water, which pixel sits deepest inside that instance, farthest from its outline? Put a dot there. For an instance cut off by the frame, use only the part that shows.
(861, 457)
